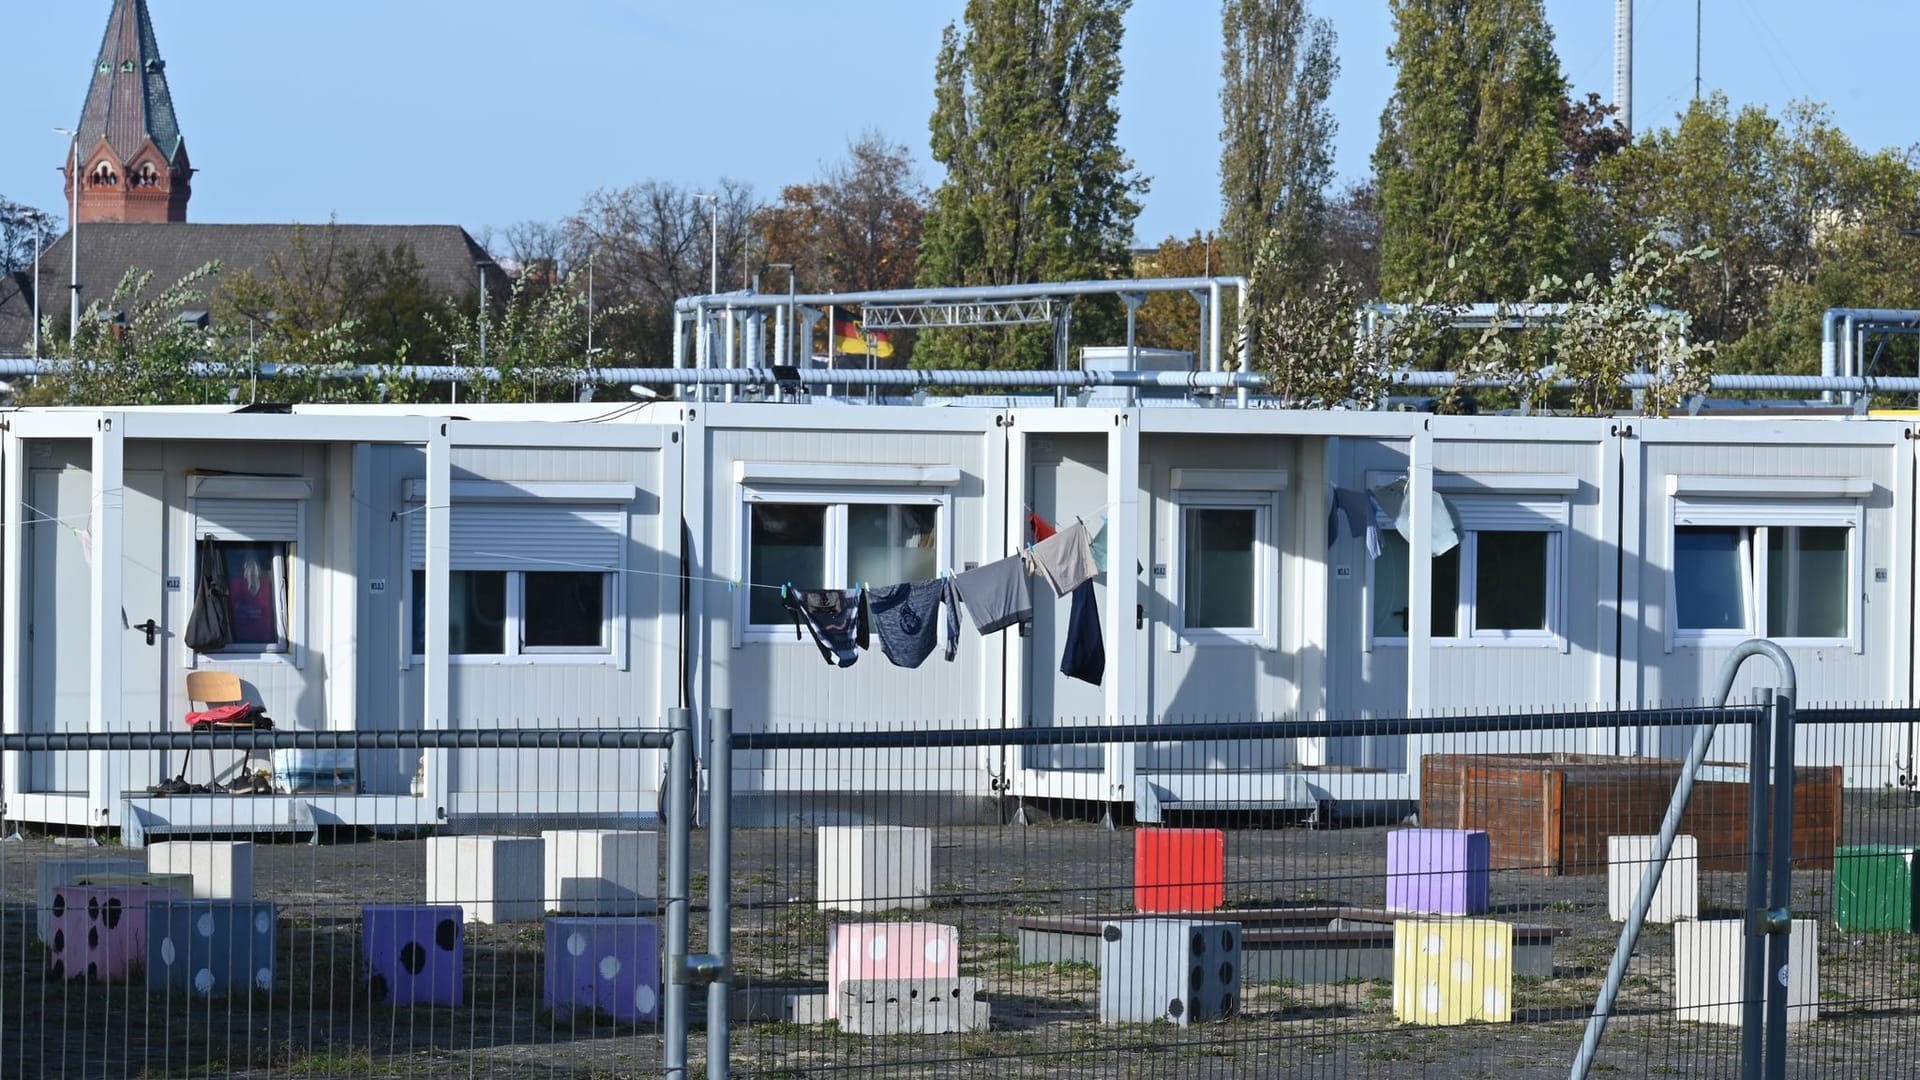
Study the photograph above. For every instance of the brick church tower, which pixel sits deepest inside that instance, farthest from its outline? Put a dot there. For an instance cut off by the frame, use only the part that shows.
(133, 162)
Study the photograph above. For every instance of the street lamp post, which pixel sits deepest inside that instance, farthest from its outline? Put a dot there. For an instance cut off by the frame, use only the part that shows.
(713, 235)
(73, 239)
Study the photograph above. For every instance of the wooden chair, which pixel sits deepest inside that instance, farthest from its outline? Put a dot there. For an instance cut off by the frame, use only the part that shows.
(206, 689)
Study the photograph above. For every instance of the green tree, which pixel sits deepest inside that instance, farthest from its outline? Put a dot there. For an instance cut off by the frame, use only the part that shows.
(129, 351)
(1469, 146)
(327, 300)
(1276, 141)
(1037, 187)
(1802, 218)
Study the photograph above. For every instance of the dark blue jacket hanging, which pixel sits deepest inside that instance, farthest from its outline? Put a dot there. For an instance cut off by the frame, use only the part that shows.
(1085, 654)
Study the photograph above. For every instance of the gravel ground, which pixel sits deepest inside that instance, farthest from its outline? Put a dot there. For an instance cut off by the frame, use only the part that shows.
(318, 1021)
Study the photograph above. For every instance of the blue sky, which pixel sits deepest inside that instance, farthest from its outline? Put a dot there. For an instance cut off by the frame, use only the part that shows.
(487, 112)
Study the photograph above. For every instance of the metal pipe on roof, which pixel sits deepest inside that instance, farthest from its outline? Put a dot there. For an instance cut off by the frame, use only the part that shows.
(1836, 336)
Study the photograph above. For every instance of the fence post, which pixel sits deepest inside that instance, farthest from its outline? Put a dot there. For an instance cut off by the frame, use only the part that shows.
(679, 825)
(1779, 913)
(719, 890)
(1753, 975)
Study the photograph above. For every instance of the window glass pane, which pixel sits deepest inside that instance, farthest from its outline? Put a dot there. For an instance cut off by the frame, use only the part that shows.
(1446, 594)
(562, 609)
(1709, 580)
(891, 544)
(1219, 567)
(1390, 587)
(256, 578)
(786, 545)
(1807, 582)
(477, 612)
(1510, 581)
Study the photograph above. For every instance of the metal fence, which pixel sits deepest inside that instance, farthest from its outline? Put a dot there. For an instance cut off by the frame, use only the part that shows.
(952, 902)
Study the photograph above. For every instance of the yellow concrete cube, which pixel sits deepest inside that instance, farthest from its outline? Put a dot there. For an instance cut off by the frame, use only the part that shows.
(1452, 971)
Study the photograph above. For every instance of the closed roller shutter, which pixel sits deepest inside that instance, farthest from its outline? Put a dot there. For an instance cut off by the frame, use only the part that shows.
(529, 536)
(247, 519)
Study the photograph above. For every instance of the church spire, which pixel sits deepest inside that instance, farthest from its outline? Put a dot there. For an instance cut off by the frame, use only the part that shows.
(133, 160)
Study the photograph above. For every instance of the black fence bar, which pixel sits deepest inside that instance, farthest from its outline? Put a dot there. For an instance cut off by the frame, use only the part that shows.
(1078, 735)
(502, 739)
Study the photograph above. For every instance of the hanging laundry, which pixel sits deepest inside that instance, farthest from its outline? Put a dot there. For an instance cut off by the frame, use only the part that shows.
(1085, 655)
(998, 594)
(1358, 508)
(1066, 559)
(1042, 528)
(837, 618)
(1098, 548)
(1441, 529)
(950, 600)
(906, 619)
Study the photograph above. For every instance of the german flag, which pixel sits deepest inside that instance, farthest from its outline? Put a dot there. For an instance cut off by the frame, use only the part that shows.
(851, 338)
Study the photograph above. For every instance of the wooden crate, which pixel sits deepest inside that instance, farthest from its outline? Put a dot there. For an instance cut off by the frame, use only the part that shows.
(1551, 814)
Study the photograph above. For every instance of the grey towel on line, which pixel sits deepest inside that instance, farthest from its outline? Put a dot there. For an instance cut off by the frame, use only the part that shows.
(1065, 558)
(998, 594)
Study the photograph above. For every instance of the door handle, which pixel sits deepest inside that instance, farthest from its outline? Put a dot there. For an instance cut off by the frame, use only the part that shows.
(150, 628)
(1139, 616)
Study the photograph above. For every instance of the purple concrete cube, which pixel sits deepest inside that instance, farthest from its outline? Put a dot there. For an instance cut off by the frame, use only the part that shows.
(610, 963)
(416, 953)
(100, 931)
(1438, 871)
(210, 948)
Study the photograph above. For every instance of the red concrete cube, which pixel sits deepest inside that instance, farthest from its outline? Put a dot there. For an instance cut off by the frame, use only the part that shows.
(1179, 869)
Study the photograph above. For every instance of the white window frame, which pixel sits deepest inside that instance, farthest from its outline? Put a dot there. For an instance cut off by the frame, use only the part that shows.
(561, 497)
(1491, 503)
(836, 498)
(1757, 514)
(292, 651)
(1265, 631)
(611, 621)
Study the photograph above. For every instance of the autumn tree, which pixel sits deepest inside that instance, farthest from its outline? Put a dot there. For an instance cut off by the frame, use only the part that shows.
(1276, 140)
(1037, 187)
(1469, 145)
(856, 226)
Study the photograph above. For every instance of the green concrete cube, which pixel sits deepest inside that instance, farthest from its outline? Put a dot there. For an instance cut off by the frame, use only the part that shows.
(1874, 888)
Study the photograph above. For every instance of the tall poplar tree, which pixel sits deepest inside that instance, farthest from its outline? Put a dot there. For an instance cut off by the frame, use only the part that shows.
(1276, 140)
(1037, 187)
(1469, 147)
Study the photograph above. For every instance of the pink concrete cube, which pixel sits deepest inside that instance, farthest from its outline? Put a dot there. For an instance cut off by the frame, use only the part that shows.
(887, 952)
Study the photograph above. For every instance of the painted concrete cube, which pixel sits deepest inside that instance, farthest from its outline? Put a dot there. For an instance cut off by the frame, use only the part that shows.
(210, 948)
(946, 1006)
(494, 878)
(222, 870)
(1452, 971)
(1678, 894)
(889, 952)
(415, 953)
(602, 871)
(609, 963)
(1874, 888)
(1707, 959)
(1179, 970)
(100, 931)
(874, 867)
(1179, 869)
(50, 874)
(1439, 871)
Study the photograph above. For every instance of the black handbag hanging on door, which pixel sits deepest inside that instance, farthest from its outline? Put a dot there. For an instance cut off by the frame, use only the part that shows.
(210, 627)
